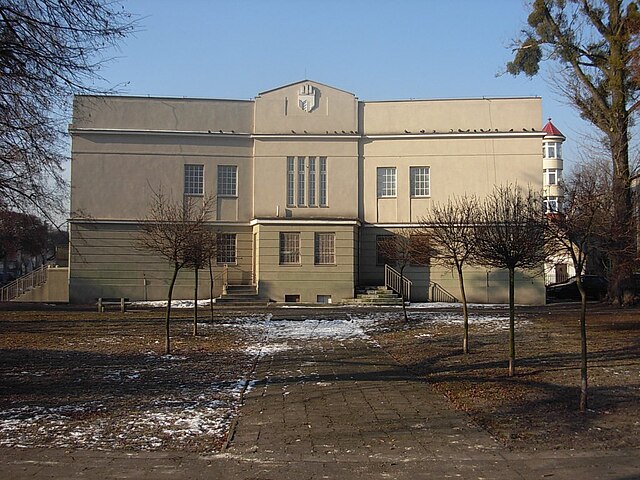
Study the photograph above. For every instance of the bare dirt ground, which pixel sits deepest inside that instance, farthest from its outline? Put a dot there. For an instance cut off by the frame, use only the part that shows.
(538, 409)
(79, 379)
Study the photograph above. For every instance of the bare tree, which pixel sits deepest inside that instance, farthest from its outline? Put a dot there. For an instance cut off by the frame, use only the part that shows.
(451, 229)
(49, 50)
(405, 247)
(576, 231)
(510, 235)
(167, 231)
(201, 249)
(595, 45)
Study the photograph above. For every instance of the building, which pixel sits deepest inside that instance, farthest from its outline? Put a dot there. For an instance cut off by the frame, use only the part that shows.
(558, 268)
(307, 179)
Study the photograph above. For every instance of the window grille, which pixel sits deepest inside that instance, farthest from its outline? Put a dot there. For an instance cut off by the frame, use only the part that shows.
(420, 181)
(194, 180)
(289, 248)
(325, 249)
(227, 180)
(226, 252)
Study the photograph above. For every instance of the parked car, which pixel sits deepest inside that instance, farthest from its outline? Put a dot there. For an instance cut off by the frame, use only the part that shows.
(595, 285)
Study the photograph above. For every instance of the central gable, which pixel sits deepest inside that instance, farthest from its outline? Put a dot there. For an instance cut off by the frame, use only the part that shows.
(305, 107)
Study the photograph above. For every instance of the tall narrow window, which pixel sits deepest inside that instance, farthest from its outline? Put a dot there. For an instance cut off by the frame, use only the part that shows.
(311, 181)
(289, 248)
(291, 181)
(227, 180)
(194, 180)
(386, 182)
(301, 180)
(226, 252)
(323, 181)
(325, 249)
(419, 181)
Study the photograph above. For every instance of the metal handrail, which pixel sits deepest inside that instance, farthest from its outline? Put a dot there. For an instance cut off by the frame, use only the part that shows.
(23, 284)
(439, 294)
(396, 282)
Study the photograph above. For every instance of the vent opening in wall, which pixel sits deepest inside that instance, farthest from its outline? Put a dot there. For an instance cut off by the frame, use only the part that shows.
(323, 299)
(292, 298)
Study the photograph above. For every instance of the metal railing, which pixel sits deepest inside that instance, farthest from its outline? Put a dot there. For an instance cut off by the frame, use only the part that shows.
(439, 294)
(24, 284)
(398, 283)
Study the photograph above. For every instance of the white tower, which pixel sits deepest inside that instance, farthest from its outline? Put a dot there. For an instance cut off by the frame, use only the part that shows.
(552, 167)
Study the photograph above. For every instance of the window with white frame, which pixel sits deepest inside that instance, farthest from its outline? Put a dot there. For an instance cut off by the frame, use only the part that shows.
(291, 181)
(552, 150)
(386, 182)
(226, 252)
(552, 176)
(311, 182)
(194, 180)
(307, 181)
(301, 181)
(289, 248)
(419, 181)
(551, 204)
(227, 180)
(325, 248)
(323, 182)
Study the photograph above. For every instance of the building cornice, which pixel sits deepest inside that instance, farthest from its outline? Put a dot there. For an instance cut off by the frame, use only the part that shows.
(108, 221)
(309, 136)
(182, 133)
(303, 221)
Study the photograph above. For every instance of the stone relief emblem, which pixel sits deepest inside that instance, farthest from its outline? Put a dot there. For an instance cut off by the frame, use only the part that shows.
(307, 98)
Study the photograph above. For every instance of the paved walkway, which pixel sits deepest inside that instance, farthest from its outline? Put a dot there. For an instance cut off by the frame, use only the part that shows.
(338, 410)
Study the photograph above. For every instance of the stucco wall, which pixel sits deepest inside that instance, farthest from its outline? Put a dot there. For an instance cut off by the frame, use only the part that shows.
(105, 261)
(306, 279)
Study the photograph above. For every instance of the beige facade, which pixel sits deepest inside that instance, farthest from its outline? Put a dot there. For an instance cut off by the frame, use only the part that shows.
(305, 178)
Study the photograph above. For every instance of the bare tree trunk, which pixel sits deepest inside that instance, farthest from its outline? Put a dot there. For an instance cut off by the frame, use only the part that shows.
(176, 268)
(195, 305)
(465, 312)
(512, 329)
(583, 344)
(211, 288)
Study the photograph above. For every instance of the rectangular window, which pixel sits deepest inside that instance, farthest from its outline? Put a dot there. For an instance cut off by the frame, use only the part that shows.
(301, 180)
(551, 204)
(386, 182)
(227, 180)
(552, 176)
(312, 181)
(226, 248)
(292, 298)
(419, 181)
(291, 181)
(323, 298)
(552, 150)
(194, 180)
(325, 249)
(323, 181)
(289, 248)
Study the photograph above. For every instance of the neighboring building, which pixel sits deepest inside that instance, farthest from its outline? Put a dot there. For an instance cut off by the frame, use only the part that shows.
(307, 179)
(560, 268)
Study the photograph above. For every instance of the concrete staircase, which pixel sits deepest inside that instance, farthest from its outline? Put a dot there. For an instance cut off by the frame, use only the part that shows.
(375, 295)
(241, 296)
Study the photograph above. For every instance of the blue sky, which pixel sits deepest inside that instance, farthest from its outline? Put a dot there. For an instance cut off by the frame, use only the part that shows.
(376, 49)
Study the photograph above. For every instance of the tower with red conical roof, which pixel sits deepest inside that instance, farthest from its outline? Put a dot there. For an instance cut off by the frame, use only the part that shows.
(552, 165)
